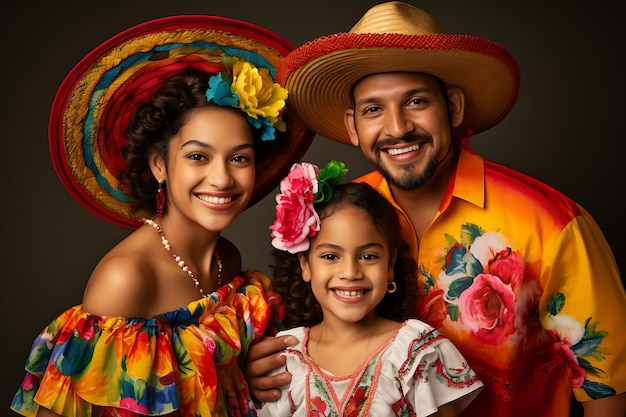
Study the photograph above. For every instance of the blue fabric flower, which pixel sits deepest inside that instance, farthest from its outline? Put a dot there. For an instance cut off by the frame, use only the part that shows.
(220, 92)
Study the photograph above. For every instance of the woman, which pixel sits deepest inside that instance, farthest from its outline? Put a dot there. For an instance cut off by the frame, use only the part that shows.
(191, 104)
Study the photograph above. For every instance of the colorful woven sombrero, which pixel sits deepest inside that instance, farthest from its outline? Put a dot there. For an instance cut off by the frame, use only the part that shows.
(397, 37)
(97, 98)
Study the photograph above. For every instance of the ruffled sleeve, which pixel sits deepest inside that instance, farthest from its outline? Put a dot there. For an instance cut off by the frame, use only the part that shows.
(79, 359)
(429, 369)
(184, 360)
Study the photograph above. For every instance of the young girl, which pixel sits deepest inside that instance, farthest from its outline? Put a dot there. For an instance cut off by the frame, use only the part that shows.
(348, 284)
(166, 314)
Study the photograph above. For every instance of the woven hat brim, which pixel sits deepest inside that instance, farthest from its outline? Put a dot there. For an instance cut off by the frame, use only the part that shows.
(97, 98)
(320, 74)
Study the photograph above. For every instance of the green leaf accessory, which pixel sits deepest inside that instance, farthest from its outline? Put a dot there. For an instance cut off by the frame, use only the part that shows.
(327, 178)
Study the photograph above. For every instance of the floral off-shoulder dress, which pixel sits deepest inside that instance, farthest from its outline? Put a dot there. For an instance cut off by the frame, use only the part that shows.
(411, 374)
(184, 362)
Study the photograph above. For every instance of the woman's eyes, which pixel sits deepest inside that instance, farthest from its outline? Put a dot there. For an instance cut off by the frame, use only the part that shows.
(236, 158)
(197, 157)
(241, 158)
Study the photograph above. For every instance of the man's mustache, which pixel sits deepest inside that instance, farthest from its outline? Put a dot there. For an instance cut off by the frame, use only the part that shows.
(408, 138)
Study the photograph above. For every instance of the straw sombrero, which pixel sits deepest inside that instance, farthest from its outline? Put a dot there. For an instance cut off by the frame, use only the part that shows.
(392, 37)
(97, 98)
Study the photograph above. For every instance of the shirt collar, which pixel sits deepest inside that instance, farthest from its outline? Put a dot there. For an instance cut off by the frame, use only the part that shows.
(468, 180)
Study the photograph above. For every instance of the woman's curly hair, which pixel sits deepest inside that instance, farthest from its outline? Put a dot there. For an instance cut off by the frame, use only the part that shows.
(156, 122)
(300, 306)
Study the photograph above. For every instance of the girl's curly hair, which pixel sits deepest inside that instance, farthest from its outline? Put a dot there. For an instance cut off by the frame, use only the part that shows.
(153, 125)
(300, 306)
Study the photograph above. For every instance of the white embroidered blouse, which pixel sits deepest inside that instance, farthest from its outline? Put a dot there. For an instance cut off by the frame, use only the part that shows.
(411, 374)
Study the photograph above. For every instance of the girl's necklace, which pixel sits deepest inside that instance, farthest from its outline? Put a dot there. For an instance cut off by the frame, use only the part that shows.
(181, 263)
(319, 339)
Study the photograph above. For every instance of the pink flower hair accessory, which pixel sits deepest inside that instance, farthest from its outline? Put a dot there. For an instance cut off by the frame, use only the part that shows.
(296, 218)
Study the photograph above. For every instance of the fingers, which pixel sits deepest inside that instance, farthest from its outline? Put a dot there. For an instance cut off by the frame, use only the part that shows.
(264, 388)
(263, 358)
(269, 345)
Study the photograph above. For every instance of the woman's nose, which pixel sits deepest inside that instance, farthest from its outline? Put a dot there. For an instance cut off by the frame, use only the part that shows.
(219, 175)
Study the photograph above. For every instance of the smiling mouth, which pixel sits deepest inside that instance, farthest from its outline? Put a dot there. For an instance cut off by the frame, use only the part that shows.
(215, 200)
(350, 294)
(403, 150)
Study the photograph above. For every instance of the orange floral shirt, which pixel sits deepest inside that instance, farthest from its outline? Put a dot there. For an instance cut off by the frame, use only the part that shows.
(523, 282)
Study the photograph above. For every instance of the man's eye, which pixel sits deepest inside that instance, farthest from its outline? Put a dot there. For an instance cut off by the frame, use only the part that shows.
(372, 109)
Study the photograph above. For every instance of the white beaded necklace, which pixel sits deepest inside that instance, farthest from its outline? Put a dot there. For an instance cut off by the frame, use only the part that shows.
(181, 263)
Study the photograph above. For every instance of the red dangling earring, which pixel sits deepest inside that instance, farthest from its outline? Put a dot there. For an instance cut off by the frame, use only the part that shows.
(160, 200)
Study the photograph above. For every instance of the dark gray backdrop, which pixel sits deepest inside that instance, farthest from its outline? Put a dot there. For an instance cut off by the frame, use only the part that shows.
(566, 129)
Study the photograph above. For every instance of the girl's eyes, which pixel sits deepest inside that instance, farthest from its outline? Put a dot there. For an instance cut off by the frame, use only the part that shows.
(369, 257)
(365, 257)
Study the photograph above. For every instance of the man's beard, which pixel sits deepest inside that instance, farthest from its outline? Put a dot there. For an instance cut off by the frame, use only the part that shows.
(408, 180)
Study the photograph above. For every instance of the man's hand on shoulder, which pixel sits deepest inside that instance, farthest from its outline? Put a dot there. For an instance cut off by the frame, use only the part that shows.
(264, 357)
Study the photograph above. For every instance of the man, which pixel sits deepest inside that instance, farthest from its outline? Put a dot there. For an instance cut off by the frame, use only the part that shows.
(515, 273)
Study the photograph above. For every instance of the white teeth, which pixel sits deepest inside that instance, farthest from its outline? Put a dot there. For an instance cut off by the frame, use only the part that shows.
(403, 150)
(215, 200)
(343, 293)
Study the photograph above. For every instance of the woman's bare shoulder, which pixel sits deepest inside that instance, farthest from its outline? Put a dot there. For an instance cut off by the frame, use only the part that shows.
(122, 283)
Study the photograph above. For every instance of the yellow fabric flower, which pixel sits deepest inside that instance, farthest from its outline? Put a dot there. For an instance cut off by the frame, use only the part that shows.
(258, 94)
(244, 86)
